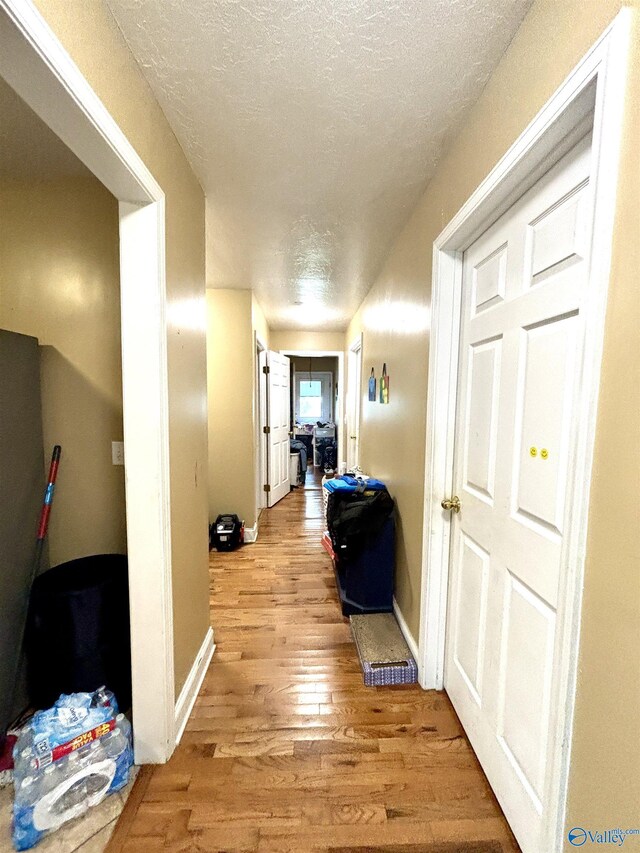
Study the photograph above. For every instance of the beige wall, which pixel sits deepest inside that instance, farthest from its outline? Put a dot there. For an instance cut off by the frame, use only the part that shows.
(59, 281)
(89, 34)
(328, 363)
(291, 339)
(604, 782)
(231, 371)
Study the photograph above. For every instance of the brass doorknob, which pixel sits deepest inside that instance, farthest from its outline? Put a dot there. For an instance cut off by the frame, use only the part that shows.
(451, 503)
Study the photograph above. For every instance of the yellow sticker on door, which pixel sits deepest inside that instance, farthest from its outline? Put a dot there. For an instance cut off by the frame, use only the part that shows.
(544, 453)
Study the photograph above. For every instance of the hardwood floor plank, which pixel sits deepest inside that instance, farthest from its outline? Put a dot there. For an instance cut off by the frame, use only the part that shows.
(126, 822)
(286, 749)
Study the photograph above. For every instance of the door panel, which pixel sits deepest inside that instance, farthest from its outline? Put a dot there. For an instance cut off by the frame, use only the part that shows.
(489, 280)
(557, 236)
(544, 414)
(523, 715)
(279, 417)
(520, 357)
(471, 599)
(483, 379)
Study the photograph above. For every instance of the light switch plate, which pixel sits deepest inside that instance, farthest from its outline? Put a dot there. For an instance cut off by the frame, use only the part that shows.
(117, 452)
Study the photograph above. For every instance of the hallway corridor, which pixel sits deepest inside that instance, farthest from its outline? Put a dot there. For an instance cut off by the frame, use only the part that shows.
(286, 749)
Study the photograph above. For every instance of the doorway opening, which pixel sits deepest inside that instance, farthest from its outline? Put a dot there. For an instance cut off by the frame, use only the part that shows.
(36, 66)
(60, 332)
(317, 406)
(312, 412)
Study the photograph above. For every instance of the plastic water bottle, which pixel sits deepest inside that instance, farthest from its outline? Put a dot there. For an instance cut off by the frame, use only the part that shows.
(117, 746)
(50, 777)
(103, 698)
(24, 762)
(27, 793)
(114, 744)
(25, 835)
(48, 792)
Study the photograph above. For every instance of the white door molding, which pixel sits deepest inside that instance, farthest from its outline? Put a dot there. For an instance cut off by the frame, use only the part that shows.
(592, 95)
(259, 423)
(36, 65)
(353, 406)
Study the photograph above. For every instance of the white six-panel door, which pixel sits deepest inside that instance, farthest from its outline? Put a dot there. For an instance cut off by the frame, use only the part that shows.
(279, 416)
(520, 359)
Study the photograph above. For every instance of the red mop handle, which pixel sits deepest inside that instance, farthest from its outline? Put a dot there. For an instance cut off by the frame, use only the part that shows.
(48, 493)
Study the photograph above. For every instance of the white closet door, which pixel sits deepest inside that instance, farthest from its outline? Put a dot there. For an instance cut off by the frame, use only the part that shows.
(520, 359)
(278, 407)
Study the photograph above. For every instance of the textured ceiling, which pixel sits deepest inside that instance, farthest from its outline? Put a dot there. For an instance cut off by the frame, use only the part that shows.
(28, 148)
(313, 126)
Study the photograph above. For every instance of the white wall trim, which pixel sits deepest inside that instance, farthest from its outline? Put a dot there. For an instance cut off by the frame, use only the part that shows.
(596, 87)
(356, 343)
(406, 633)
(146, 440)
(36, 65)
(192, 685)
(251, 533)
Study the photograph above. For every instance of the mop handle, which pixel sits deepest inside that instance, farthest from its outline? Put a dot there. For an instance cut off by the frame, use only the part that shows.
(42, 532)
(48, 493)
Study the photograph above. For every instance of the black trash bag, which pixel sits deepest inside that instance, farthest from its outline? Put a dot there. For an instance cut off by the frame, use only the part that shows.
(356, 518)
(78, 633)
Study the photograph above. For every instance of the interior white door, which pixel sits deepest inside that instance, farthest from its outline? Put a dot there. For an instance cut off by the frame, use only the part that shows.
(278, 407)
(521, 350)
(262, 470)
(354, 401)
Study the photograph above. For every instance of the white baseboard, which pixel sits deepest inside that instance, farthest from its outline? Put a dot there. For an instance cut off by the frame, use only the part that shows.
(406, 633)
(191, 687)
(251, 534)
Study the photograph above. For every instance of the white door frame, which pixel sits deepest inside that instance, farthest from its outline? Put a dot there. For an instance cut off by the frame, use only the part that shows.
(260, 422)
(339, 414)
(36, 65)
(592, 95)
(353, 398)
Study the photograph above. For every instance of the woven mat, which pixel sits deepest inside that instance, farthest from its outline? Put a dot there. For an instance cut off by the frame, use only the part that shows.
(379, 639)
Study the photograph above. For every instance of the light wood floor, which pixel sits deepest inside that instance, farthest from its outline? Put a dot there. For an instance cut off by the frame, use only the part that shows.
(286, 749)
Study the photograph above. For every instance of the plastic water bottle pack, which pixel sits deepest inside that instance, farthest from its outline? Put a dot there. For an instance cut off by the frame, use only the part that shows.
(66, 760)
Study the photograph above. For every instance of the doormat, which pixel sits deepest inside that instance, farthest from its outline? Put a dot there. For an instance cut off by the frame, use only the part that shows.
(383, 651)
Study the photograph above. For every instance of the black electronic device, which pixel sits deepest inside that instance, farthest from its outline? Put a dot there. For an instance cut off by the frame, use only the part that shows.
(226, 533)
